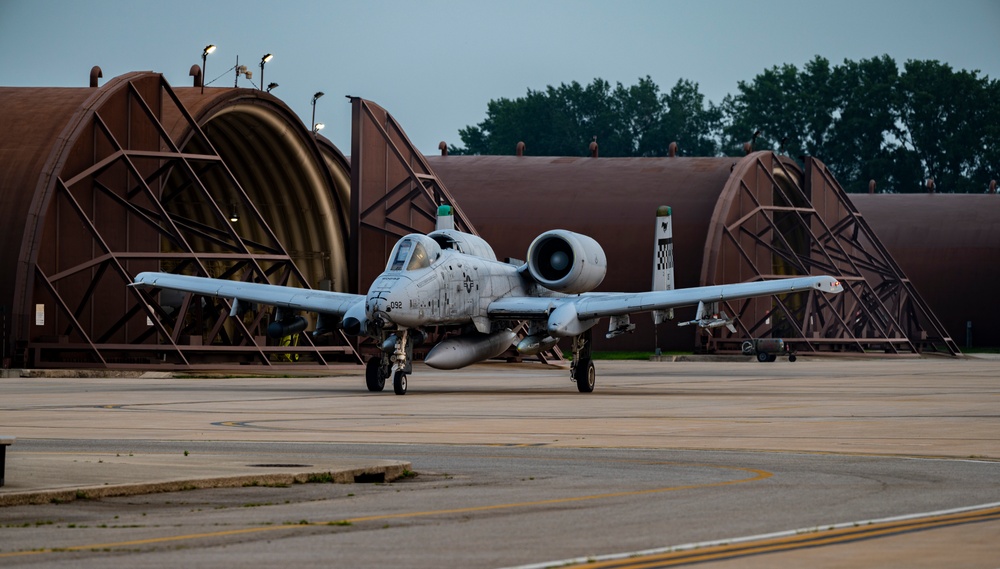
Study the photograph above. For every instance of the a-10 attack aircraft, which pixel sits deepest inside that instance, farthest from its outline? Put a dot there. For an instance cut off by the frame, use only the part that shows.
(453, 279)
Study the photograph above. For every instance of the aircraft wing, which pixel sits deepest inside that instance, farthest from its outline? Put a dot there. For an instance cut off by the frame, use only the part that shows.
(601, 304)
(275, 295)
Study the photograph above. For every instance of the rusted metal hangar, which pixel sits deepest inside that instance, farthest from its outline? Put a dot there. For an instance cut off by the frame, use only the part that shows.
(761, 215)
(100, 183)
(103, 182)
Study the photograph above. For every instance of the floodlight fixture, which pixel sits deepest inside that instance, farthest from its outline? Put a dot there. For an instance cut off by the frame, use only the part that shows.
(270, 85)
(313, 121)
(204, 64)
(263, 60)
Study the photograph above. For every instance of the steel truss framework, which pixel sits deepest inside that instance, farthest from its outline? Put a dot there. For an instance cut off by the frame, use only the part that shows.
(129, 209)
(774, 221)
(394, 192)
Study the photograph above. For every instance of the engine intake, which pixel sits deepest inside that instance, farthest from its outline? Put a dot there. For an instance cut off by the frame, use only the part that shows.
(567, 262)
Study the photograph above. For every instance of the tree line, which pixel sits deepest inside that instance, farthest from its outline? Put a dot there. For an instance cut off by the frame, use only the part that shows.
(866, 120)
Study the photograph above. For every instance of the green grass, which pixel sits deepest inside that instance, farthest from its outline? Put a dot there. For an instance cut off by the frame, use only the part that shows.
(632, 355)
(320, 478)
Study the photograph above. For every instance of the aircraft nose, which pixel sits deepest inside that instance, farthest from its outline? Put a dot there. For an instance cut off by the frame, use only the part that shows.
(387, 301)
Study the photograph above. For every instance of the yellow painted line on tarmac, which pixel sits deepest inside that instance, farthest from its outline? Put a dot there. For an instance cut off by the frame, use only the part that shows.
(802, 539)
(757, 475)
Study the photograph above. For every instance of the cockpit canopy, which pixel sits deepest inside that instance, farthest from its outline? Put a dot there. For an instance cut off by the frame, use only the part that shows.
(463, 243)
(412, 253)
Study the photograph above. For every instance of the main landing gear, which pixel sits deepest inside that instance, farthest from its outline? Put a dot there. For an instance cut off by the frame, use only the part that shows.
(582, 369)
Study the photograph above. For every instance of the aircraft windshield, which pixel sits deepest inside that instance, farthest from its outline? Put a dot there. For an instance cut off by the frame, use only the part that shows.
(419, 258)
(411, 254)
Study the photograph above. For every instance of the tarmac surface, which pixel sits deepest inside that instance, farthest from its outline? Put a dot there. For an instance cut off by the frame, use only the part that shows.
(820, 463)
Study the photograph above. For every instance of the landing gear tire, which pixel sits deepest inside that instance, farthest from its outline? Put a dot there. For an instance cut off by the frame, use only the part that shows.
(375, 375)
(399, 383)
(585, 375)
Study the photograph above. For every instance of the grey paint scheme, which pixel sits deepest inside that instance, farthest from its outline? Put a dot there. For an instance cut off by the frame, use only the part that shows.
(456, 281)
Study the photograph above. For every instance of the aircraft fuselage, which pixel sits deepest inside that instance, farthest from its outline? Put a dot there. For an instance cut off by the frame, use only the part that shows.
(454, 289)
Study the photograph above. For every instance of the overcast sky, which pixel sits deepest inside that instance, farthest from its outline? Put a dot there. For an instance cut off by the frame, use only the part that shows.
(434, 65)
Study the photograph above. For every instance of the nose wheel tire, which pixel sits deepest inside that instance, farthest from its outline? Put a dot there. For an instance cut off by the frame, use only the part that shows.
(585, 375)
(375, 374)
(399, 383)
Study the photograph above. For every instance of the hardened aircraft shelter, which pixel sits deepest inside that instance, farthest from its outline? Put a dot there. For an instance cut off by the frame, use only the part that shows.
(99, 183)
(761, 216)
(104, 182)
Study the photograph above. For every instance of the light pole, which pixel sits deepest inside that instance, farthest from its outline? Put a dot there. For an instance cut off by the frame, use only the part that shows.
(313, 122)
(264, 60)
(204, 64)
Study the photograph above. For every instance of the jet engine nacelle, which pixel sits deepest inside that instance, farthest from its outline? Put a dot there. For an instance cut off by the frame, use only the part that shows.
(566, 262)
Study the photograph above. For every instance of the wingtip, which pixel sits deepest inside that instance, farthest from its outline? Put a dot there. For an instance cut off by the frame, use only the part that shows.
(832, 285)
(140, 280)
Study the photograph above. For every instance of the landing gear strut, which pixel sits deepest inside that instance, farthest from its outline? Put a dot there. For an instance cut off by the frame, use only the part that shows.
(402, 363)
(582, 369)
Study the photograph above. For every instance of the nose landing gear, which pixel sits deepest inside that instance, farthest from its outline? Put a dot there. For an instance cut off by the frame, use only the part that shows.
(395, 361)
(399, 383)
(402, 358)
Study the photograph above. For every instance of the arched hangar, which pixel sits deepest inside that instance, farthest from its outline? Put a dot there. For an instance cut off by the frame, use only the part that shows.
(101, 183)
(735, 219)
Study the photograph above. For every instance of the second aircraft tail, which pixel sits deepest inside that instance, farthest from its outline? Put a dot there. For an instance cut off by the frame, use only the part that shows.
(663, 259)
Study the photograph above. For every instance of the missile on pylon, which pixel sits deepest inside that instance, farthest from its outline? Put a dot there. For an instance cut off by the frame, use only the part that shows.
(468, 349)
